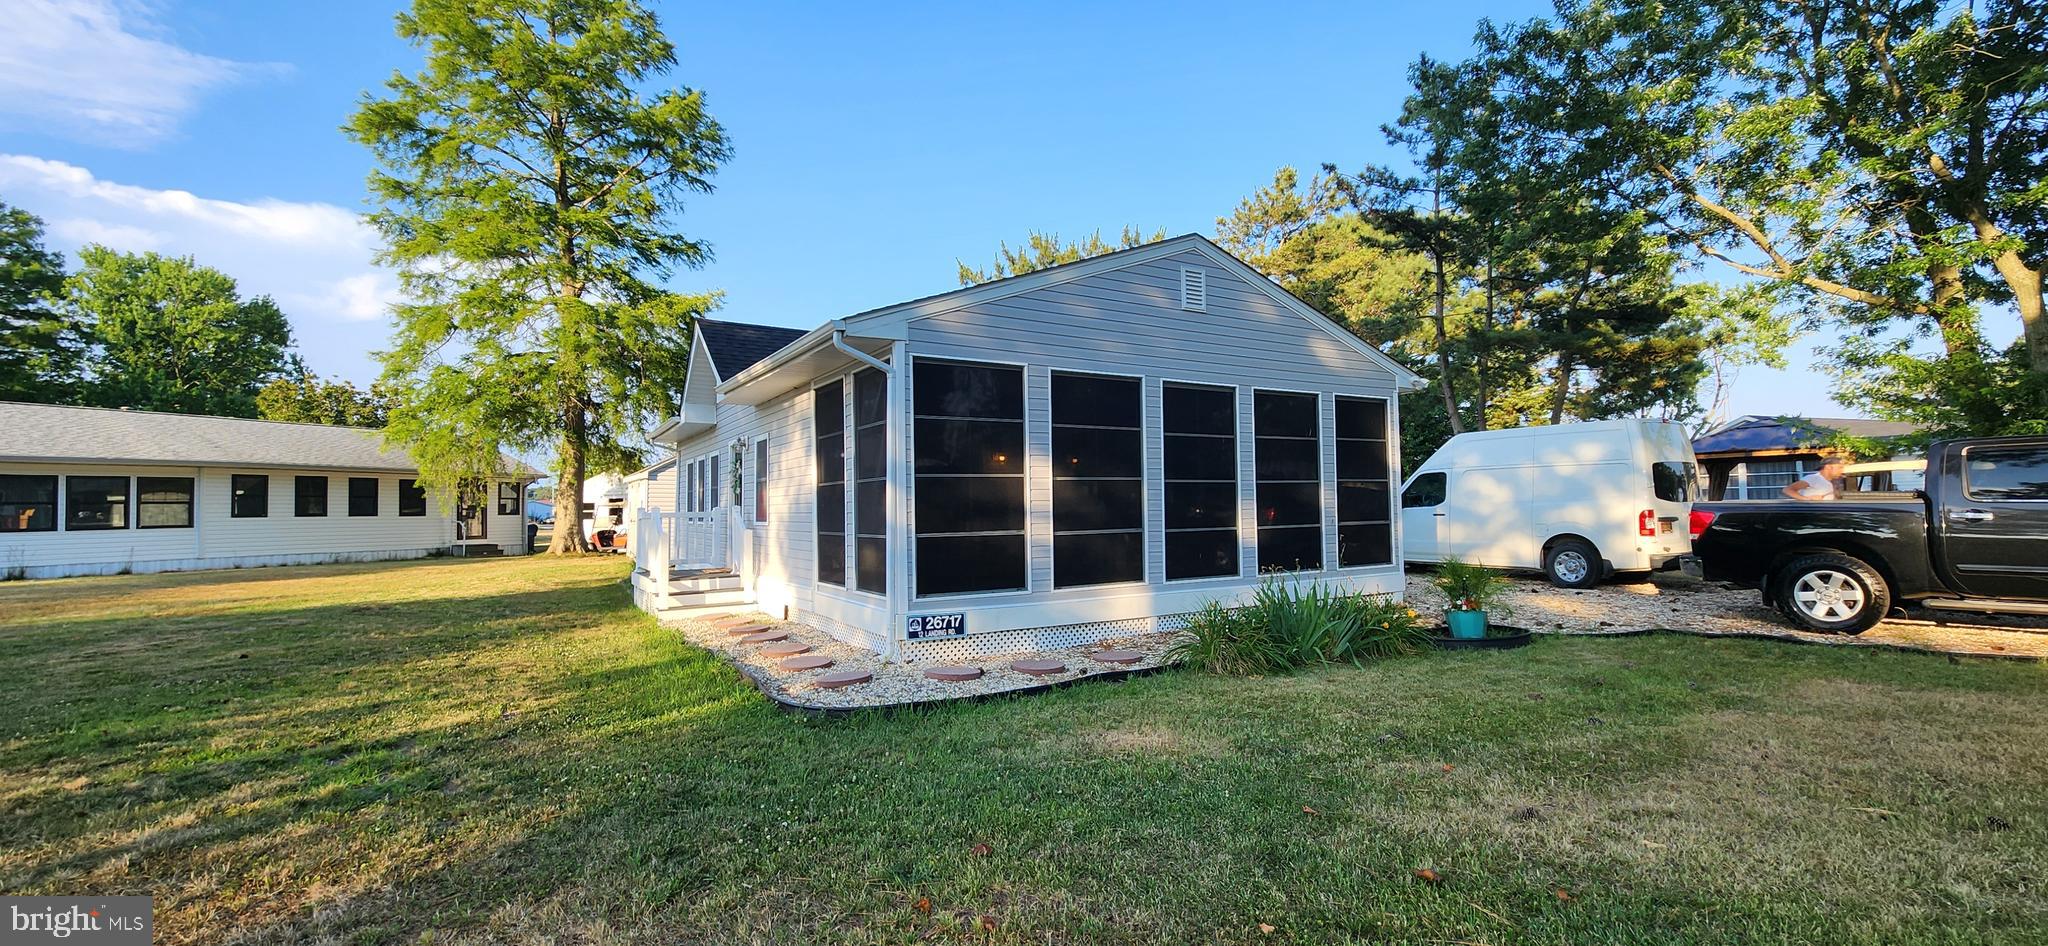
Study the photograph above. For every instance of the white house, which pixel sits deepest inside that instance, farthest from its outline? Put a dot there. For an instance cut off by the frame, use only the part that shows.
(88, 491)
(1087, 451)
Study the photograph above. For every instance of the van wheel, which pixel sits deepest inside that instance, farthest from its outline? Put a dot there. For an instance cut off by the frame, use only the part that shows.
(1832, 593)
(1572, 563)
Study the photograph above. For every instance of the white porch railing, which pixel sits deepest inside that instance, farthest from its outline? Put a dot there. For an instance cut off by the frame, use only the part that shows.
(650, 545)
(702, 542)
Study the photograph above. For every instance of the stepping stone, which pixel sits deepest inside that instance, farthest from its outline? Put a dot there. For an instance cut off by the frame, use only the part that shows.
(765, 637)
(785, 649)
(955, 674)
(844, 678)
(740, 629)
(1117, 656)
(1039, 668)
(811, 662)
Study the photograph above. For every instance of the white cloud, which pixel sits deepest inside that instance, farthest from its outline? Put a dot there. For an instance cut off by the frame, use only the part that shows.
(314, 259)
(89, 69)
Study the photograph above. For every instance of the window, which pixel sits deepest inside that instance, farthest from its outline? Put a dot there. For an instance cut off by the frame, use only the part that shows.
(412, 498)
(1365, 514)
(711, 495)
(2000, 474)
(871, 480)
(95, 502)
(1200, 439)
(761, 480)
(508, 499)
(828, 407)
(1673, 481)
(28, 503)
(309, 496)
(362, 495)
(163, 502)
(1288, 445)
(690, 487)
(1098, 480)
(250, 496)
(968, 429)
(1427, 490)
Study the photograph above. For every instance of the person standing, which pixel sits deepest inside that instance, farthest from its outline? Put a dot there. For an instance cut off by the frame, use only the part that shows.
(1818, 486)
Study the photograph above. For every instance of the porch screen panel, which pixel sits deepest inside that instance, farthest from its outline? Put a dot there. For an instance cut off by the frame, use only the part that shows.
(1365, 529)
(1201, 480)
(828, 406)
(871, 481)
(968, 425)
(1288, 444)
(1098, 480)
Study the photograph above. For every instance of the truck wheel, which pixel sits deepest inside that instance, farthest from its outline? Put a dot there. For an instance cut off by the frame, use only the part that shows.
(1572, 563)
(1832, 593)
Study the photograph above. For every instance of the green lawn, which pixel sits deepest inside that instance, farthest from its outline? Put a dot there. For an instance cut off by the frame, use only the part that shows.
(505, 751)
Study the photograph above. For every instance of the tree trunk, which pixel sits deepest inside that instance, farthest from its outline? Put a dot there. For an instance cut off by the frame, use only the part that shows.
(1443, 353)
(568, 538)
(1564, 389)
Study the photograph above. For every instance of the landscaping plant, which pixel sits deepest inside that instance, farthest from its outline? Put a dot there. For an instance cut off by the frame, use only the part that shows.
(1290, 624)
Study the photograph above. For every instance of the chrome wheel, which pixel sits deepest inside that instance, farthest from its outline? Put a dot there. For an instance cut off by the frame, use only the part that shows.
(1571, 566)
(1829, 596)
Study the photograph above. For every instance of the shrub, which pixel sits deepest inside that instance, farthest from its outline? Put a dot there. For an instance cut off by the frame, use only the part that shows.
(1291, 624)
(1471, 587)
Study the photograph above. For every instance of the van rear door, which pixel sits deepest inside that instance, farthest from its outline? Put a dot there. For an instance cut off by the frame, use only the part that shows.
(1674, 485)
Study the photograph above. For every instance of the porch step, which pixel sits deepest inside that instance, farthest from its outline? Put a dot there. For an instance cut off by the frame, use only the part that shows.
(725, 582)
(705, 600)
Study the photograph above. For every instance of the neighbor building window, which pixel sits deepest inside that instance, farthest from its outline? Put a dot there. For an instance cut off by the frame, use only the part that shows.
(1288, 466)
(1200, 440)
(828, 405)
(871, 481)
(362, 495)
(249, 496)
(163, 502)
(28, 503)
(508, 498)
(1365, 512)
(969, 477)
(1098, 480)
(761, 480)
(309, 496)
(95, 502)
(412, 498)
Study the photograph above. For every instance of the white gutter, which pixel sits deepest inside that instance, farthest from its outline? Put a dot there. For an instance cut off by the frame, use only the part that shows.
(839, 342)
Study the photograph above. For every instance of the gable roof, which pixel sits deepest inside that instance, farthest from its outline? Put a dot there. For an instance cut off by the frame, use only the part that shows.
(1794, 433)
(736, 346)
(55, 433)
(887, 321)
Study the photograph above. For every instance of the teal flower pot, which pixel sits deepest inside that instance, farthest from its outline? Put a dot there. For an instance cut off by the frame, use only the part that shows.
(1469, 625)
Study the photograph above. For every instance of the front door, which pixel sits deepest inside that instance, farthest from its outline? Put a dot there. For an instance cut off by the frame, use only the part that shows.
(1422, 518)
(1994, 529)
(472, 517)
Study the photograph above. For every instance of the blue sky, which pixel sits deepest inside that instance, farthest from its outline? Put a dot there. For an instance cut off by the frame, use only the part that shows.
(874, 145)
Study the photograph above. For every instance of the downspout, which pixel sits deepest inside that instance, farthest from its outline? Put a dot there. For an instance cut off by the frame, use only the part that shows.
(895, 493)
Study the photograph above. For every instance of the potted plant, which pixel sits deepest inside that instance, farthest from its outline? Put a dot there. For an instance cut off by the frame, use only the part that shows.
(1469, 589)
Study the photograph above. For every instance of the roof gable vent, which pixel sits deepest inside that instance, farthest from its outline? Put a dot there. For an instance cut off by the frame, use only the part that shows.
(1194, 289)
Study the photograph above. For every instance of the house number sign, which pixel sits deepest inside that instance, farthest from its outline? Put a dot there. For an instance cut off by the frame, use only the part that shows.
(928, 626)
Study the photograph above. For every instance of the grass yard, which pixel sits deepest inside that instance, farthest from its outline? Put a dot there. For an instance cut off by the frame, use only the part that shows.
(506, 751)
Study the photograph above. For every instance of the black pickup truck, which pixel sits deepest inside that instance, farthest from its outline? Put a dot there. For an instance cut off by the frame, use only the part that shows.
(1975, 538)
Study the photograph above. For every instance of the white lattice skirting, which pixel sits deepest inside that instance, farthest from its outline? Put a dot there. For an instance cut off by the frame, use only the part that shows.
(1036, 639)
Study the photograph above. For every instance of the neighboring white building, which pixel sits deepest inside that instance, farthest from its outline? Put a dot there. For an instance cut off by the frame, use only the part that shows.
(88, 491)
(1087, 451)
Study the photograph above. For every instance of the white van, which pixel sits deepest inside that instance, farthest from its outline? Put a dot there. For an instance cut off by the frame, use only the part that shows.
(1577, 501)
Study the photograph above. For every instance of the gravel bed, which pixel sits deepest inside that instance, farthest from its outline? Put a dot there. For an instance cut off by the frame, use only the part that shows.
(1675, 602)
(900, 683)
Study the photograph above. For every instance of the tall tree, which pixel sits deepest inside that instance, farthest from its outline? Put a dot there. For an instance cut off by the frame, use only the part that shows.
(39, 344)
(529, 193)
(168, 334)
(1042, 250)
(307, 399)
(1883, 159)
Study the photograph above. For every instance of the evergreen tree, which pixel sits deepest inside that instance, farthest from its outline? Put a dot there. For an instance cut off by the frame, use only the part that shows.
(306, 399)
(528, 192)
(39, 344)
(1042, 250)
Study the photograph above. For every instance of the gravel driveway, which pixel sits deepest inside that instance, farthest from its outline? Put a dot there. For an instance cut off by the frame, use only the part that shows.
(1679, 603)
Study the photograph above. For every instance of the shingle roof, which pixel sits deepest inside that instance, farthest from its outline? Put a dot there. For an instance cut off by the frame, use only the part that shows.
(1793, 433)
(736, 346)
(51, 432)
